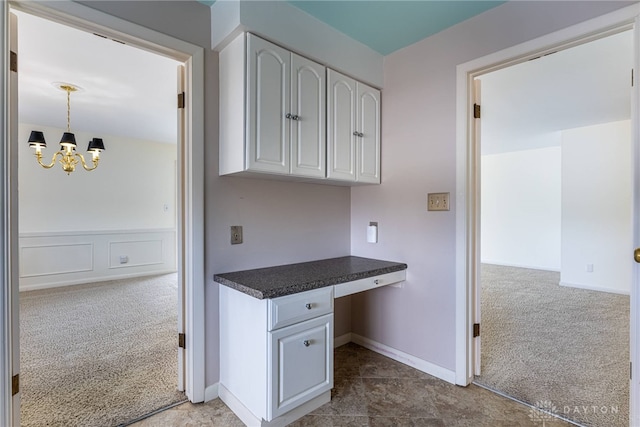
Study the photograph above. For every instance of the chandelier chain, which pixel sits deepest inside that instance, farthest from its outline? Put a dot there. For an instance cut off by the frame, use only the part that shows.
(68, 110)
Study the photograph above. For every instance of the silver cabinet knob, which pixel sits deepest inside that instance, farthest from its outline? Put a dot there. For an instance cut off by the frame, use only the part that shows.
(296, 117)
(361, 134)
(306, 343)
(308, 305)
(355, 133)
(288, 116)
(377, 281)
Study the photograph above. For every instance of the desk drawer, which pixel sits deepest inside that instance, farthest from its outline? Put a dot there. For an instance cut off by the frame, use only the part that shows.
(349, 288)
(290, 309)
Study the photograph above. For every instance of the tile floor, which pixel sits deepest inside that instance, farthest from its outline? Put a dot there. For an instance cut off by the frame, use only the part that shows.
(373, 390)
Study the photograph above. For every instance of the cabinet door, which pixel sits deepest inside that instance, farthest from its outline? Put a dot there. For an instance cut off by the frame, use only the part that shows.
(341, 125)
(368, 144)
(301, 364)
(308, 123)
(268, 93)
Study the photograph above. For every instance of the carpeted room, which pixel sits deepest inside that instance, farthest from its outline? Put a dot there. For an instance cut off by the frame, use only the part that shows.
(556, 273)
(99, 354)
(99, 292)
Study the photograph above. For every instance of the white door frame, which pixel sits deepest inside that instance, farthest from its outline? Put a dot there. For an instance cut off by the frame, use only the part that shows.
(467, 178)
(10, 408)
(190, 176)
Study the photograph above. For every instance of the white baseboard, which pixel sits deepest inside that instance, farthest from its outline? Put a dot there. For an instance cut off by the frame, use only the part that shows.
(250, 420)
(531, 267)
(402, 357)
(595, 288)
(342, 340)
(85, 281)
(211, 392)
(236, 406)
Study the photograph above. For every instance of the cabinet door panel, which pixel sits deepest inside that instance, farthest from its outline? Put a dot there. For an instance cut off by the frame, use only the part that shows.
(369, 143)
(341, 142)
(308, 103)
(301, 363)
(268, 83)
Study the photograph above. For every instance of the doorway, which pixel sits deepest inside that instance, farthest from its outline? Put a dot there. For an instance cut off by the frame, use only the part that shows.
(554, 279)
(112, 237)
(468, 217)
(190, 172)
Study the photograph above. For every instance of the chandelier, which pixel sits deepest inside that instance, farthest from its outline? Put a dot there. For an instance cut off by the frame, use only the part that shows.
(69, 158)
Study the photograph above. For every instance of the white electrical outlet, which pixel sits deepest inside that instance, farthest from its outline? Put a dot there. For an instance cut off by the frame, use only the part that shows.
(438, 202)
(236, 234)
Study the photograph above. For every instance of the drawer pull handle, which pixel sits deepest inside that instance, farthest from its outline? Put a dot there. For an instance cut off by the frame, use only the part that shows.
(308, 305)
(376, 282)
(306, 343)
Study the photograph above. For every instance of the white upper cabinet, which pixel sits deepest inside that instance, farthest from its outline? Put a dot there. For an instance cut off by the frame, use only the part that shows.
(353, 130)
(341, 125)
(368, 123)
(308, 109)
(283, 101)
(279, 116)
(268, 103)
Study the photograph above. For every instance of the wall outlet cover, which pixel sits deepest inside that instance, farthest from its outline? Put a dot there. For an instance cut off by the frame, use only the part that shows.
(236, 234)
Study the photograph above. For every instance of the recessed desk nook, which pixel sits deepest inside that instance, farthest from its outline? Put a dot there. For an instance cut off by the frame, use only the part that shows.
(276, 333)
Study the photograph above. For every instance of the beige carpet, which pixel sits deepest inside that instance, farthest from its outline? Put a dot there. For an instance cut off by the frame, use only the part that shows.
(564, 349)
(98, 354)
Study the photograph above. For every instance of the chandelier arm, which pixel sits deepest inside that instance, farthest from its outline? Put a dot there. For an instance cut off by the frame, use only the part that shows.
(53, 159)
(84, 164)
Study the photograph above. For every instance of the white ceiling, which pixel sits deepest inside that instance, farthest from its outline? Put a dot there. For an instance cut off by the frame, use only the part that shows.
(131, 92)
(126, 91)
(585, 85)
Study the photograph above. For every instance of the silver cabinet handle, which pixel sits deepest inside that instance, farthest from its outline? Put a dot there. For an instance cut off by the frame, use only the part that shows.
(288, 116)
(376, 282)
(306, 343)
(296, 117)
(308, 305)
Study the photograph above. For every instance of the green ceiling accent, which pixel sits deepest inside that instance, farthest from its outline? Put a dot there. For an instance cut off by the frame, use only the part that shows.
(388, 25)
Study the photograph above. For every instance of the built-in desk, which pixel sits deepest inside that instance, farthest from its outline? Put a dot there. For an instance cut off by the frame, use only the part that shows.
(273, 282)
(276, 333)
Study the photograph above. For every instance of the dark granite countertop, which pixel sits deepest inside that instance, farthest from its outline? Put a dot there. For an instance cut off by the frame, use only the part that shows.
(273, 282)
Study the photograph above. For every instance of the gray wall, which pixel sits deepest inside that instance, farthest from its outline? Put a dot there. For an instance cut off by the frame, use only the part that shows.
(283, 222)
(419, 157)
(289, 222)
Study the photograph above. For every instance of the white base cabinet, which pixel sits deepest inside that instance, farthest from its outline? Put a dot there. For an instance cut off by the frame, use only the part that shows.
(301, 364)
(276, 355)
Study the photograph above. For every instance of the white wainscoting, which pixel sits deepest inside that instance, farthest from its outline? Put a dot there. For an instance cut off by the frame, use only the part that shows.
(69, 258)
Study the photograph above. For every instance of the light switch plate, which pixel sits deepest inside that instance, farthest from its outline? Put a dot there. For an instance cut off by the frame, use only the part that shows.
(438, 202)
